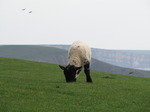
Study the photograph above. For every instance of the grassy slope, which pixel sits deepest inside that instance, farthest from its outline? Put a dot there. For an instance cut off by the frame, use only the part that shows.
(29, 51)
(27, 86)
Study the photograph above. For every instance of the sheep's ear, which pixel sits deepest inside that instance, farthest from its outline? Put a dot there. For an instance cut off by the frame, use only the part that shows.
(77, 68)
(62, 67)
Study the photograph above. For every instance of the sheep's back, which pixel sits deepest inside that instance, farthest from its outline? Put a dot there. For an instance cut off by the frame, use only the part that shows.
(80, 52)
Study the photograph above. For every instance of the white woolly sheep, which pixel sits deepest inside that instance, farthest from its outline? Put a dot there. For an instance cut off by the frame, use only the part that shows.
(79, 56)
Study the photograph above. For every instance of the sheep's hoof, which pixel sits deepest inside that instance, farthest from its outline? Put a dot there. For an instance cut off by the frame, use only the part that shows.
(89, 81)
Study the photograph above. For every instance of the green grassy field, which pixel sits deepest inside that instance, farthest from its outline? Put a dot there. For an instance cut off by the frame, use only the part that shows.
(27, 86)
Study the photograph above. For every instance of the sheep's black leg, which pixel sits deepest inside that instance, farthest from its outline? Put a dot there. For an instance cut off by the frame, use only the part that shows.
(87, 73)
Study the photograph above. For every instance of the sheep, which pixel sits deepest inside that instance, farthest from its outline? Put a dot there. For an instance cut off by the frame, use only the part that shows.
(79, 56)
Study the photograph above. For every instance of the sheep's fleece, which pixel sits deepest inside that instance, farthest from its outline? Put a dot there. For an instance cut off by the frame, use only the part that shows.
(79, 54)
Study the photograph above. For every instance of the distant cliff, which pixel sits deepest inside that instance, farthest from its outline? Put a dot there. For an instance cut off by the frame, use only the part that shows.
(128, 59)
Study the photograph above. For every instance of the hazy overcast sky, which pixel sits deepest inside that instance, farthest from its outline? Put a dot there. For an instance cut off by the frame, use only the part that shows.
(108, 24)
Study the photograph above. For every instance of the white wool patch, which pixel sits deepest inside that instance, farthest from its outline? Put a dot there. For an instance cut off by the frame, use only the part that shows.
(79, 54)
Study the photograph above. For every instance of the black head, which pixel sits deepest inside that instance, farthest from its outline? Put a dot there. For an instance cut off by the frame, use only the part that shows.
(70, 72)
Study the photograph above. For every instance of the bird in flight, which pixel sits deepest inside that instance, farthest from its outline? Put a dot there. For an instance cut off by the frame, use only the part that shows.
(24, 9)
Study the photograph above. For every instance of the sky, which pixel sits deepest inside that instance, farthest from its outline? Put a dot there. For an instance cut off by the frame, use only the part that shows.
(105, 24)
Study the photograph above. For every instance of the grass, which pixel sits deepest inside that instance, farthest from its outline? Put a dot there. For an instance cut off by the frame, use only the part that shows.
(27, 86)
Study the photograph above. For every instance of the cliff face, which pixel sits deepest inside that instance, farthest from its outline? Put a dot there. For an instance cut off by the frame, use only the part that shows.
(136, 60)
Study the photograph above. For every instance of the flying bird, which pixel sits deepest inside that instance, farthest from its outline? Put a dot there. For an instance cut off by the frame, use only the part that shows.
(24, 9)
